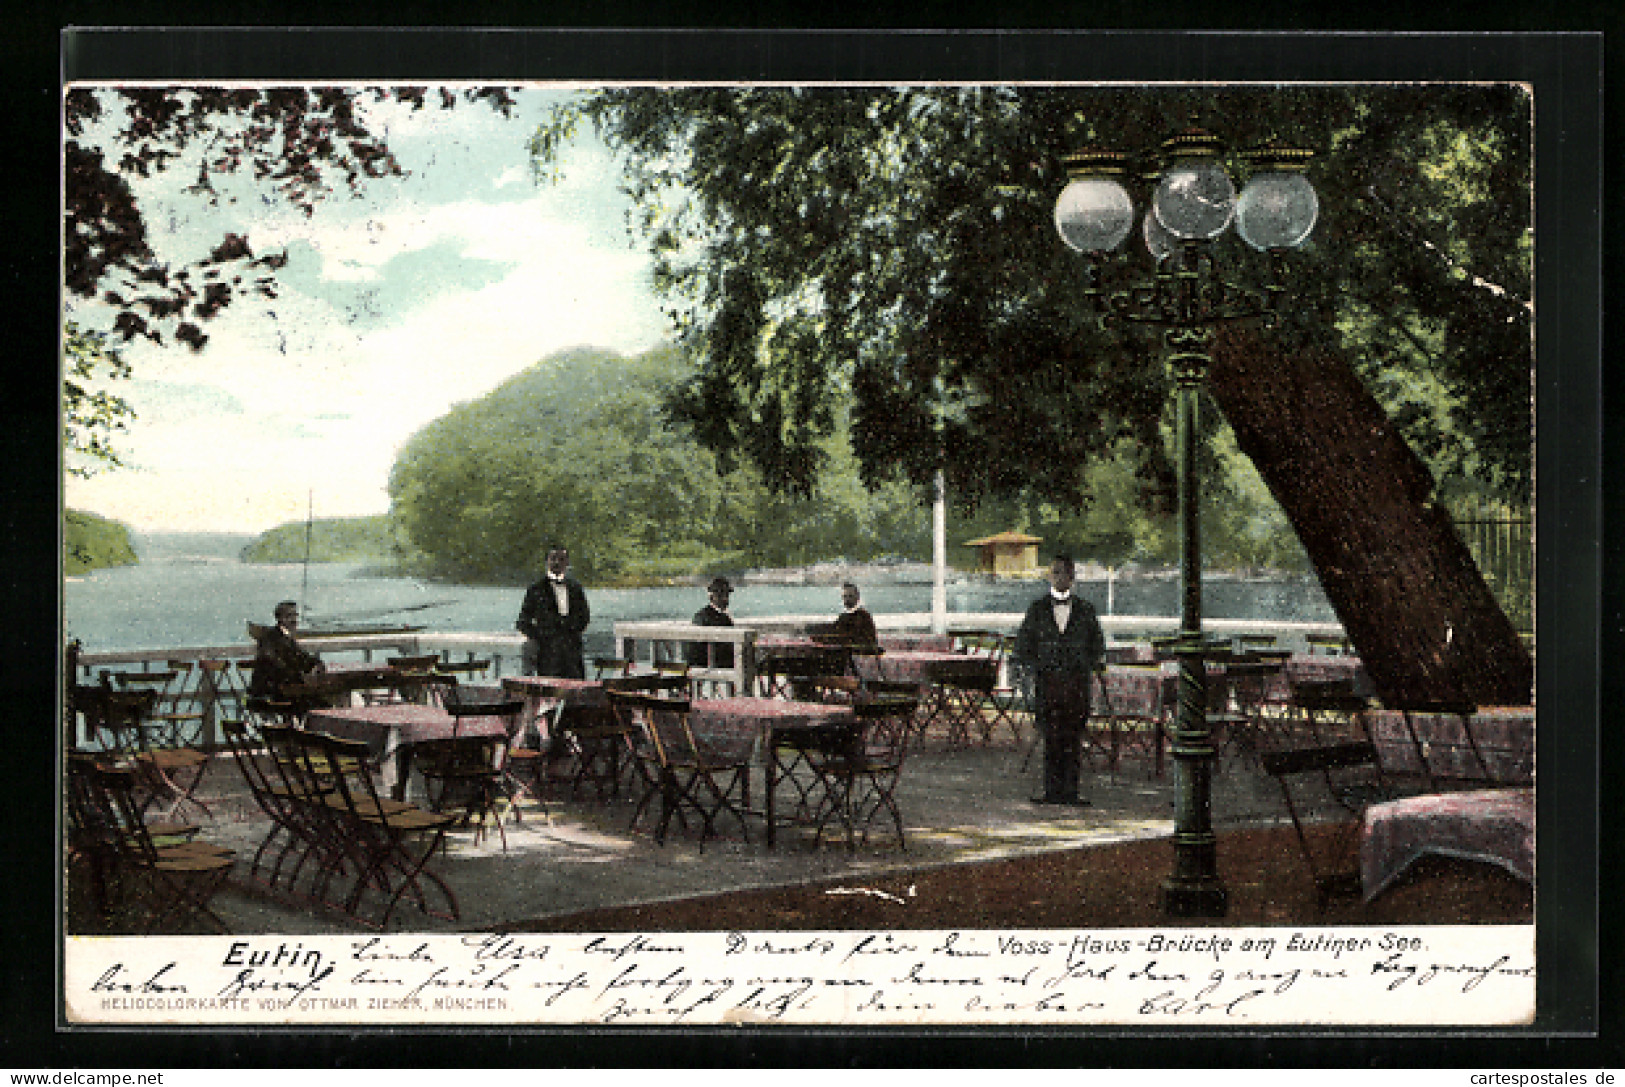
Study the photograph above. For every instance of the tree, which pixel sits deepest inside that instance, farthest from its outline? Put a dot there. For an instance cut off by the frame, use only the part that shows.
(578, 450)
(896, 247)
(91, 415)
(301, 143)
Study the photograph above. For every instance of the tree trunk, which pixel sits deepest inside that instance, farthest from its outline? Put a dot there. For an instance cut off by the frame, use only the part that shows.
(1401, 580)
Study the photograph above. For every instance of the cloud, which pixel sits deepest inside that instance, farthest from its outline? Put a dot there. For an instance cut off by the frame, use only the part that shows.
(391, 309)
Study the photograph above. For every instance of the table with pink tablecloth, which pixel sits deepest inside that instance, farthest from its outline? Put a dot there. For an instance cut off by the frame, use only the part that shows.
(908, 665)
(1316, 668)
(390, 730)
(1492, 745)
(928, 642)
(733, 729)
(1496, 826)
(548, 698)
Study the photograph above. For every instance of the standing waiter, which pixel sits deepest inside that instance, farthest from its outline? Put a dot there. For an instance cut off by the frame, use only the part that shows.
(553, 617)
(1060, 644)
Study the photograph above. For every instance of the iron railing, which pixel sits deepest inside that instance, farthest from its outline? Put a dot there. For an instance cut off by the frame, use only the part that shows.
(1501, 538)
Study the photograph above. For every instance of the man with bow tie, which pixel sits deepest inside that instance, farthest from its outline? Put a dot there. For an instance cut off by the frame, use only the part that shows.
(1060, 645)
(552, 618)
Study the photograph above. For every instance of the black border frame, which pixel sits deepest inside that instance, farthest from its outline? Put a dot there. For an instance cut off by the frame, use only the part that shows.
(1566, 71)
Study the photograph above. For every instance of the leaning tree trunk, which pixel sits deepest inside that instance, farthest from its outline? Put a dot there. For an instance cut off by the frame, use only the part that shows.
(1401, 580)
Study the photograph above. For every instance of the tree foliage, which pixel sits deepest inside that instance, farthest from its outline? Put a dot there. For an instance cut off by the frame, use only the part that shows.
(330, 539)
(302, 144)
(898, 243)
(91, 542)
(91, 414)
(578, 450)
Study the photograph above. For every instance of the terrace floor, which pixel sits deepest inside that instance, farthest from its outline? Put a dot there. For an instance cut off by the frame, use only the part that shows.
(961, 808)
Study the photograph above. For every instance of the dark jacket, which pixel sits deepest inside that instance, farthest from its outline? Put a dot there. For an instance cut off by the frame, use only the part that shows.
(279, 662)
(711, 617)
(1043, 649)
(855, 627)
(557, 637)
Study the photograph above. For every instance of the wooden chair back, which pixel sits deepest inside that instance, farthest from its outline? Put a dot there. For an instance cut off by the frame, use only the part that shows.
(1326, 788)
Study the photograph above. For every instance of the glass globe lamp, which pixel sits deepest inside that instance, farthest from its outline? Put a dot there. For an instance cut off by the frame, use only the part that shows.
(1195, 200)
(1094, 213)
(1278, 207)
(1158, 242)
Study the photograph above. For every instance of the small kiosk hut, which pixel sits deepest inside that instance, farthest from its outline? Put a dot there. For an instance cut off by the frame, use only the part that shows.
(1007, 554)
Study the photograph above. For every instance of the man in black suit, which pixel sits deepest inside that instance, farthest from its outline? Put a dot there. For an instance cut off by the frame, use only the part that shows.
(714, 614)
(552, 618)
(279, 660)
(854, 626)
(1060, 645)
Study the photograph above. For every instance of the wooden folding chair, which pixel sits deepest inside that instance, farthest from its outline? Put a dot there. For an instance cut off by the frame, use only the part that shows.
(170, 884)
(92, 837)
(628, 710)
(1327, 706)
(1005, 701)
(788, 673)
(167, 776)
(304, 776)
(959, 689)
(609, 667)
(1338, 780)
(469, 774)
(795, 749)
(860, 777)
(1251, 724)
(273, 796)
(464, 671)
(692, 778)
(463, 776)
(390, 843)
(177, 714)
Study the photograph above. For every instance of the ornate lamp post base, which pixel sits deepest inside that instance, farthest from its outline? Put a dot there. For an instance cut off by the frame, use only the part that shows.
(1199, 898)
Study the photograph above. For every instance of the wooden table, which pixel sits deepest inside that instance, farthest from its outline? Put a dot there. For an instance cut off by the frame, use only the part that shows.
(564, 694)
(1494, 745)
(735, 728)
(1496, 826)
(390, 730)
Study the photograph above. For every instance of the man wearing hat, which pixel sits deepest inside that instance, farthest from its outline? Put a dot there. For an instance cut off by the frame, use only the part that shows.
(714, 614)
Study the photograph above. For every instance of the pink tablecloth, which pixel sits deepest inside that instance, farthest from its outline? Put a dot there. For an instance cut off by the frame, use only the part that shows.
(1496, 744)
(928, 642)
(731, 727)
(572, 692)
(1496, 826)
(387, 729)
(1134, 692)
(1316, 668)
(407, 721)
(911, 665)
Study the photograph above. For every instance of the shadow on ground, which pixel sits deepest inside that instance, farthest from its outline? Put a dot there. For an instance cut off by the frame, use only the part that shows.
(979, 855)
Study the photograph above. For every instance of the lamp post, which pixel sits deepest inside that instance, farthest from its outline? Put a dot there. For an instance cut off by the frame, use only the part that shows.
(1194, 204)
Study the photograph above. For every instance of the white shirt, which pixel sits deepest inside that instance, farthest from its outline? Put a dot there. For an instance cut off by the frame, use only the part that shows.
(1063, 609)
(561, 595)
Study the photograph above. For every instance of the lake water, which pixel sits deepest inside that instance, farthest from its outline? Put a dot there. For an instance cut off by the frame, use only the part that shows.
(190, 590)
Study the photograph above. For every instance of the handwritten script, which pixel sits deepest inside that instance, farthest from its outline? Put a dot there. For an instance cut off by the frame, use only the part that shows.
(1231, 977)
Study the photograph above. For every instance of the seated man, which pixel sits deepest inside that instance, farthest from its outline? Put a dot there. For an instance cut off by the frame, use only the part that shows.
(714, 614)
(854, 626)
(280, 662)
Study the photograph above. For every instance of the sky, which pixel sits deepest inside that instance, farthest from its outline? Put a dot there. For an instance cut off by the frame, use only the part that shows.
(428, 290)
